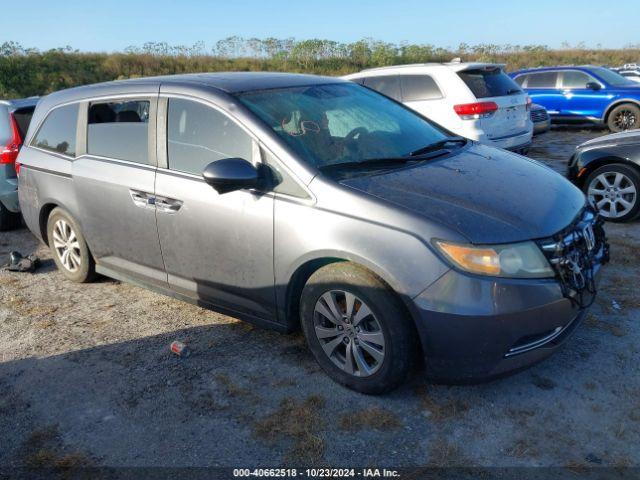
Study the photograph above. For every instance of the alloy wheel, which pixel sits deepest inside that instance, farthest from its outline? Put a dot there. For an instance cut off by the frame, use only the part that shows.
(66, 245)
(613, 193)
(349, 333)
(625, 119)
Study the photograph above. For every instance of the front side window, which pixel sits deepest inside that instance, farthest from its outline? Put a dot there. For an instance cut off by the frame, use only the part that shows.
(58, 131)
(386, 85)
(119, 130)
(341, 123)
(542, 80)
(575, 79)
(198, 135)
(489, 82)
(419, 87)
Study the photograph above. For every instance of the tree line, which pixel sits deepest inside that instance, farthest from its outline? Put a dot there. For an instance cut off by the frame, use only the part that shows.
(29, 71)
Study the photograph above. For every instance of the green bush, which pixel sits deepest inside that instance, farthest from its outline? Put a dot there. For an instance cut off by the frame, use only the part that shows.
(25, 72)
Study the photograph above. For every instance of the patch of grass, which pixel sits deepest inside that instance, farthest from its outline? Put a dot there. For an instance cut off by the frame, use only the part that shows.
(624, 251)
(231, 388)
(298, 422)
(43, 450)
(594, 322)
(372, 418)
(543, 383)
(438, 410)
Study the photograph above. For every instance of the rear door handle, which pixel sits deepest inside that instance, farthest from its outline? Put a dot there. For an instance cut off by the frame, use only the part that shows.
(168, 205)
(142, 199)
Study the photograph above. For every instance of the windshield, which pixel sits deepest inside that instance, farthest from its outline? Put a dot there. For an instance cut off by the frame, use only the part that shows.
(612, 78)
(341, 123)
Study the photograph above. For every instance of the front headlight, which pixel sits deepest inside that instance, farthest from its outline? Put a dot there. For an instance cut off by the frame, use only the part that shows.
(517, 260)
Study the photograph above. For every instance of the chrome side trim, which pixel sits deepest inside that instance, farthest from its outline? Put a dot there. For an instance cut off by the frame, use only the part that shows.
(537, 343)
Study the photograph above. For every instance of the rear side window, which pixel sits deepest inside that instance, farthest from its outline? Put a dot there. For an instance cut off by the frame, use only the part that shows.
(58, 131)
(575, 79)
(419, 87)
(542, 80)
(386, 85)
(119, 130)
(489, 82)
(198, 135)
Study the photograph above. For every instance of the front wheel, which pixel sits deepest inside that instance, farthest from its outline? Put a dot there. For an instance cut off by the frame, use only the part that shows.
(357, 329)
(614, 189)
(624, 117)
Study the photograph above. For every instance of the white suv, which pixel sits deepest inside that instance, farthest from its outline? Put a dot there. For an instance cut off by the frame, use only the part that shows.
(475, 100)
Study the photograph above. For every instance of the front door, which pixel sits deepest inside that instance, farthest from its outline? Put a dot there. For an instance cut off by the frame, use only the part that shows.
(114, 182)
(217, 248)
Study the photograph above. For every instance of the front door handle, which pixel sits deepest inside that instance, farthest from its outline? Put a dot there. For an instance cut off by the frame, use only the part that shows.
(168, 205)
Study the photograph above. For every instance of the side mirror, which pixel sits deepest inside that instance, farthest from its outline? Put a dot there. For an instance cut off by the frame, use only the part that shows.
(230, 174)
(594, 86)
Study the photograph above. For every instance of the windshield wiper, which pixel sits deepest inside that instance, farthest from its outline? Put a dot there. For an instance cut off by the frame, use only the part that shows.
(386, 162)
(438, 145)
(513, 91)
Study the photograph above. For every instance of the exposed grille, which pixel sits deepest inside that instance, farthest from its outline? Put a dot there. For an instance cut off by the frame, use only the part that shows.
(574, 253)
(540, 115)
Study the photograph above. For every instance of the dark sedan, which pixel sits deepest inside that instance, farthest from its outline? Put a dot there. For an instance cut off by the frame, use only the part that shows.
(607, 169)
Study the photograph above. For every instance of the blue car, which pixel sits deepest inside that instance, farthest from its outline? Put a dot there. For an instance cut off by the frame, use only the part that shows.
(584, 94)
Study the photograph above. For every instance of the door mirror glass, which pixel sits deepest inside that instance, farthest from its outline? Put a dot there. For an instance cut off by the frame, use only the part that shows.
(230, 174)
(594, 86)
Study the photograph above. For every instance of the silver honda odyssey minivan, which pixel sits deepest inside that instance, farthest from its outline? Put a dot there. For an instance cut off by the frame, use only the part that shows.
(301, 201)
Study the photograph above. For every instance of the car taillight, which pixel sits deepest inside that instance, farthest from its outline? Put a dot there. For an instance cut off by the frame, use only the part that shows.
(10, 151)
(471, 111)
(529, 102)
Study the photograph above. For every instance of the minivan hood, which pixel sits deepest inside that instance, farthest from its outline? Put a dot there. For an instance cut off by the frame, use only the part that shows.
(630, 137)
(486, 194)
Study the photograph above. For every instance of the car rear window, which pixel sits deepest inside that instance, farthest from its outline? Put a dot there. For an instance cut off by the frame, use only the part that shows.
(23, 119)
(489, 82)
(419, 87)
(58, 131)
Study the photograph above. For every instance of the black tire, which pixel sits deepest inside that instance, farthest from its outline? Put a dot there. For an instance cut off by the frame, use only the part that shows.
(86, 270)
(8, 219)
(624, 117)
(387, 313)
(633, 176)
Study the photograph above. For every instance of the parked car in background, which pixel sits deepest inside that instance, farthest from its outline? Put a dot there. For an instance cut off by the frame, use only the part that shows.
(475, 100)
(584, 94)
(631, 74)
(15, 116)
(540, 118)
(607, 169)
(296, 200)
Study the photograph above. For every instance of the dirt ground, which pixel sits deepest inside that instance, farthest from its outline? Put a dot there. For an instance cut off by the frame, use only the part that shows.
(87, 380)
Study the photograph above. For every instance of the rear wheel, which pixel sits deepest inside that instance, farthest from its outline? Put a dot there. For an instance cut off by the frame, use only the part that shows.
(624, 117)
(69, 248)
(356, 328)
(614, 190)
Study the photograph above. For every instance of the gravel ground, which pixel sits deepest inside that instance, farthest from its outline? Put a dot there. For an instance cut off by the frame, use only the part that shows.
(87, 379)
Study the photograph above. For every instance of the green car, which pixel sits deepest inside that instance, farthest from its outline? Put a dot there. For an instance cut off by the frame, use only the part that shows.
(15, 116)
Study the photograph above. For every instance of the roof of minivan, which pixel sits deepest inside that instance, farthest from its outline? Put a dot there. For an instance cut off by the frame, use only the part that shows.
(230, 82)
